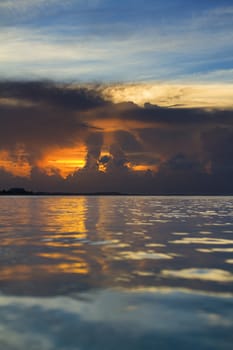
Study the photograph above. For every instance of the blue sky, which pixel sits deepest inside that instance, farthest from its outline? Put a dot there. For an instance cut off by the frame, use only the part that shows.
(106, 40)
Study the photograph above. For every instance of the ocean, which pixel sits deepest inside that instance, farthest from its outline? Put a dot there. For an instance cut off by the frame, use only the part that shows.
(116, 272)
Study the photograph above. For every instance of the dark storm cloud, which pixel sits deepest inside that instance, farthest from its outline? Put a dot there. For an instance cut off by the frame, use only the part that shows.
(173, 116)
(191, 148)
(38, 129)
(127, 141)
(218, 148)
(104, 159)
(40, 115)
(59, 95)
(180, 162)
(119, 159)
(94, 142)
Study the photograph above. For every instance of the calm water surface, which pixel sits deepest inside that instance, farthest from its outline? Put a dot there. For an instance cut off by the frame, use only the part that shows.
(96, 273)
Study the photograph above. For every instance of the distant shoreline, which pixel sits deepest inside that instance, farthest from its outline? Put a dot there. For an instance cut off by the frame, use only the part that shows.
(21, 192)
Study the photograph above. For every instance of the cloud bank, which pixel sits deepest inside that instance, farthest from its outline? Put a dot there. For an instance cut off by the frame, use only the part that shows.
(125, 147)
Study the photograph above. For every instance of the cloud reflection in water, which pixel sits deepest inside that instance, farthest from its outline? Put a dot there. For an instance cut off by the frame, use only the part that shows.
(76, 275)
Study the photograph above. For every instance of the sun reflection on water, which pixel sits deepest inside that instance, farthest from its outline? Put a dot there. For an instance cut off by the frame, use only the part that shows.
(116, 241)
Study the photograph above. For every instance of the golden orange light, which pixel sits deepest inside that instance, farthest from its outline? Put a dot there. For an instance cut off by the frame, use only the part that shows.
(65, 160)
(143, 167)
(17, 167)
(114, 124)
(103, 166)
(180, 95)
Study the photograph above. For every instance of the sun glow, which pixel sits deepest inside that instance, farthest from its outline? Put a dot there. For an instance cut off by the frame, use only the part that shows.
(65, 160)
(16, 164)
(144, 167)
(164, 94)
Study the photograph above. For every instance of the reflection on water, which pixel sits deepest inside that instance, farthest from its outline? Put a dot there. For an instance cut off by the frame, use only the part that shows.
(215, 275)
(109, 272)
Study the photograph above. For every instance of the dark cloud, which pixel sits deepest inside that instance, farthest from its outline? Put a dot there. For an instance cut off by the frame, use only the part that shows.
(119, 159)
(52, 117)
(60, 95)
(178, 116)
(94, 142)
(191, 148)
(218, 148)
(128, 141)
(175, 117)
(105, 159)
(180, 162)
(164, 142)
(38, 129)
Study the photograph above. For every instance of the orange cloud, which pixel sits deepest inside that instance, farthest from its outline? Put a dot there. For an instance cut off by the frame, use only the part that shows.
(143, 167)
(15, 165)
(65, 160)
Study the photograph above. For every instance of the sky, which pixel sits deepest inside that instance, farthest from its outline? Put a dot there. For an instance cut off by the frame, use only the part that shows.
(129, 96)
(124, 40)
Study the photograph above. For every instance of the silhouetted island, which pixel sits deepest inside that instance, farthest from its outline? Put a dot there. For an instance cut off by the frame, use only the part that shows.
(22, 192)
(16, 192)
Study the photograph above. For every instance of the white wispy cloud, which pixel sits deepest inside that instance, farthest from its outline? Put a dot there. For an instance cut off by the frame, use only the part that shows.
(22, 5)
(192, 94)
(190, 49)
(10, 4)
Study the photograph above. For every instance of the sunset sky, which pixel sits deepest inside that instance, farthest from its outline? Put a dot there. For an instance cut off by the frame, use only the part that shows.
(131, 96)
